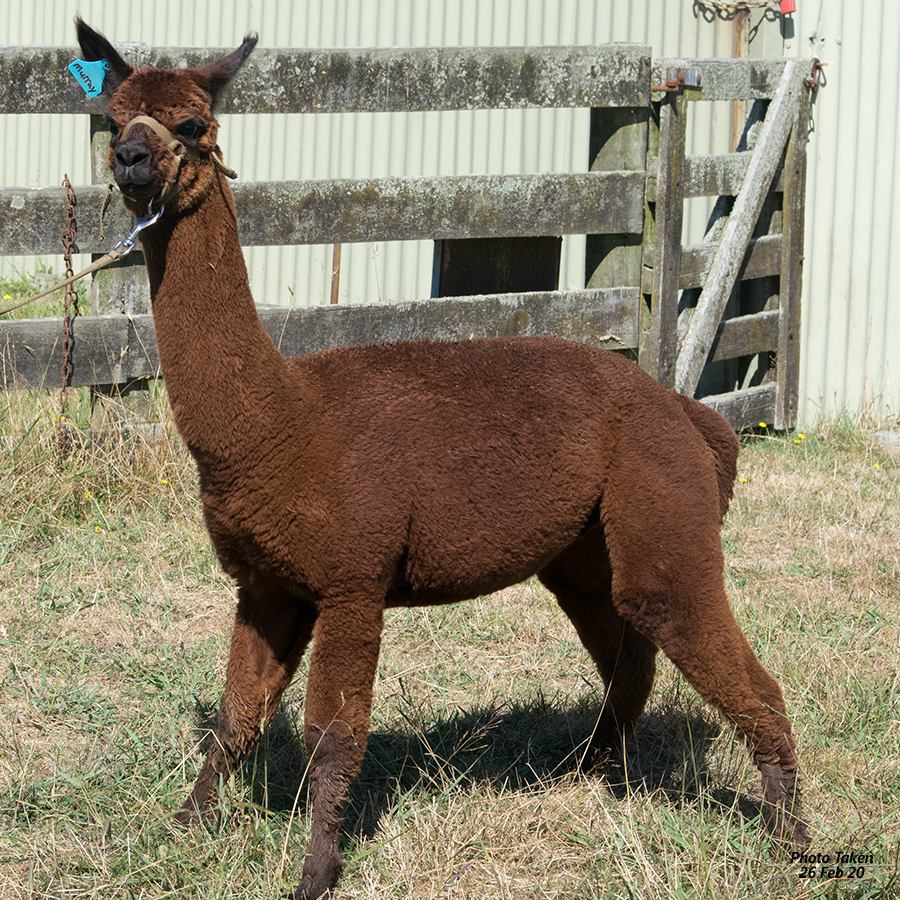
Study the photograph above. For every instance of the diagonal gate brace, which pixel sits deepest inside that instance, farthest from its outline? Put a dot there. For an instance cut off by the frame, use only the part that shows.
(726, 264)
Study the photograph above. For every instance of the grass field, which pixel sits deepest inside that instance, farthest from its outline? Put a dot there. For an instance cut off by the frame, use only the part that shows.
(114, 624)
(20, 287)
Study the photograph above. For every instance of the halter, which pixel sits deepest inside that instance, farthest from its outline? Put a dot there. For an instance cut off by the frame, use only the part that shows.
(126, 245)
(180, 150)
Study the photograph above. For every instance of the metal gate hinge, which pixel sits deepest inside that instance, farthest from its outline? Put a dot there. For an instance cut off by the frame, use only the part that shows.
(676, 79)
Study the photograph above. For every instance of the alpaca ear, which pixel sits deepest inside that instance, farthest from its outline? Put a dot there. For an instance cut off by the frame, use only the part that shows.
(96, 47)
(220, 72)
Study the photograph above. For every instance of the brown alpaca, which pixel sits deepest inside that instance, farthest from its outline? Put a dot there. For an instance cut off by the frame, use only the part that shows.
(341, 483)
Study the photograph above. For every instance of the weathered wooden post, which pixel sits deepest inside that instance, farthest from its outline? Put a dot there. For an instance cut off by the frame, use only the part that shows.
(662, 242)
(618, 142)
(790, 282)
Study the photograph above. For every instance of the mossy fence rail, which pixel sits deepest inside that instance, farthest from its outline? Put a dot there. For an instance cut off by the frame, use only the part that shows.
(719, 320)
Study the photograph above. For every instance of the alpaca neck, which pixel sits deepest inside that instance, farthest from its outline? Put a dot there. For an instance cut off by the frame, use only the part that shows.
(221, 370)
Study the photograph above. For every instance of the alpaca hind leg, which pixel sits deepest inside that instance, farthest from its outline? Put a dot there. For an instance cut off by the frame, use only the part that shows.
(626, 660)
(717, 660)
(692, 623)
(661, 514)
(338, 707)
(271, 630)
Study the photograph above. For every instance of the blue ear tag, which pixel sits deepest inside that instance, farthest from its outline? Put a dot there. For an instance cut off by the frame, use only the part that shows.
(89, 75)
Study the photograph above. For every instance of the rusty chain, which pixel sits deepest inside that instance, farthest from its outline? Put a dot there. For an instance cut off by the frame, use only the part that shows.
(738, 5)
(69, 235)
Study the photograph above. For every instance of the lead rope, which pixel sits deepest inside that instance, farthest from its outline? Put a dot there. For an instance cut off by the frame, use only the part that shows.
(122, 248)
(69, 236)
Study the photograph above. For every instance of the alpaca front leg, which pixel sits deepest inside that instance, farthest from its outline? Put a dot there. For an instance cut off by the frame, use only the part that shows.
(271, 630)
(338, 707)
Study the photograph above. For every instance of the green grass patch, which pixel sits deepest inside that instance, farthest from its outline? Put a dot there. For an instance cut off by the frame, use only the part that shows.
(16, 288)
(114, 625)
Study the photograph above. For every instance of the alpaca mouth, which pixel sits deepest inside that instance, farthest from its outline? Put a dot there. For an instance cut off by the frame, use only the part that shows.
(138, 190)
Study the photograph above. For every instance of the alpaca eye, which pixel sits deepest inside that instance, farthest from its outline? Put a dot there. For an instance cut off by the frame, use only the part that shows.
(191, 130)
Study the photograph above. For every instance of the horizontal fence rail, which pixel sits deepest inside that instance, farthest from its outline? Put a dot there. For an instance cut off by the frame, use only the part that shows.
(726, 79)
(122, 349)
(733, 300)
(356, 210)
(711, 175)
(763, 258)
(350, 80)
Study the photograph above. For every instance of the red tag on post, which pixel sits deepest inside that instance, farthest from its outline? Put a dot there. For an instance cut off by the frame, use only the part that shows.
(788, 6)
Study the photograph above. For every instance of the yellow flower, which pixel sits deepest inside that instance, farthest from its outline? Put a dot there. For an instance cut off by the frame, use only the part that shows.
(762, 424)
(87, 495)
(802, 436)
(742, 480)
(96, 528)
(164, 481)
(7, 297)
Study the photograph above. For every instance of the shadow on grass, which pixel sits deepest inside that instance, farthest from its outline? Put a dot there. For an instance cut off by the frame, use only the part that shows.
(521, 746)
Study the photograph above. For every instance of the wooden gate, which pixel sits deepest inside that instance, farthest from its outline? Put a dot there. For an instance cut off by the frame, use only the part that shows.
(719, 320)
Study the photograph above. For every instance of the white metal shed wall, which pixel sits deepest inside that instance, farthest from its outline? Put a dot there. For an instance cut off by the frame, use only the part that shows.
(849, 326)
(851, 308)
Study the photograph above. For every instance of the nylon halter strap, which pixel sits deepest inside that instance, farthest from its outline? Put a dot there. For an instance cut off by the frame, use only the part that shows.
(180, 150)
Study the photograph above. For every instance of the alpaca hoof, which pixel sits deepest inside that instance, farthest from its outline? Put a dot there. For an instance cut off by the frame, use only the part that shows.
(311, 889)
(782, 808)
(787, 829)
(595, 759)
(189, 816)
(605, 741)
(320, 870)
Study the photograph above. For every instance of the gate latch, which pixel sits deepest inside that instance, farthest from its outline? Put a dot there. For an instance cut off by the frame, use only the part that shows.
(812, 80)
(676, 79)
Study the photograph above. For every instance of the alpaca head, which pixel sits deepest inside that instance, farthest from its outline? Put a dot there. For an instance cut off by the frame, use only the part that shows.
(146, 163)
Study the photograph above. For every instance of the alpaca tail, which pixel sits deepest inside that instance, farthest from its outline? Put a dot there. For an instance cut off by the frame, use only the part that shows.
(721, 439)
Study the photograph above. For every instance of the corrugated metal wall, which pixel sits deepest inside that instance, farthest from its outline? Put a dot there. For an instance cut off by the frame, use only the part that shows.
(849, 325)
(851, 317)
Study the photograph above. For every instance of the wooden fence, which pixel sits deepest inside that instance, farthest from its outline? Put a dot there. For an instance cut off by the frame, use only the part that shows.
(719, 320)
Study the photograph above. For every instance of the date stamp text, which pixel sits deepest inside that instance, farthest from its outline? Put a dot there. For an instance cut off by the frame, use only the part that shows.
(837, 864)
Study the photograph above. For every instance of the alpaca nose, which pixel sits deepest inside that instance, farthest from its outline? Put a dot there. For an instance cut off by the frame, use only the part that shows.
(131, 154)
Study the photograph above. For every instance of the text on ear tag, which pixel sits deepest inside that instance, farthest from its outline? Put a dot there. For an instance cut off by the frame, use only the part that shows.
(89, 75)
